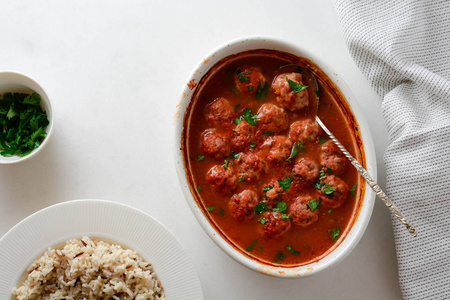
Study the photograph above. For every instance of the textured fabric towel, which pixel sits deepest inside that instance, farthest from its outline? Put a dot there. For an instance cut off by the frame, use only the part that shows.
(403, 48)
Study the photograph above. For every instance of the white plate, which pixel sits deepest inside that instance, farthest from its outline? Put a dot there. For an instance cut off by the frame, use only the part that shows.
(101, 219)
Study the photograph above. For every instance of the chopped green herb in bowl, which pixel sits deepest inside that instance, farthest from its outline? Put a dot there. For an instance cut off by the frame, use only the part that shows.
(25, 117)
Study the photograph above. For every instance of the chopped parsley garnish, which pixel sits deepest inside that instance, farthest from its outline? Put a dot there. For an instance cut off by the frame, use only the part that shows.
(269, 132)
(298, 69)
(293, 251)
(316, 92)
(285, 183)
(329, 171)
(241, 76)
(267, 188)
(210, 208)
(247, 116)
(321, 174)
(199, 188)
(280, 207)
(200, 157)
(250, 89)
(322, 140)
(328, 189)
(260, 248)
(240, 179)
(260, 207)
(221, 211)
(317, 184)
(22, 123)
(280, 256)
(296, 87)
(284, 216)
(352, 190)
(298, 146)
(330, 210)
(235, 154)
(234, 91)
(253, 144)
(261, 91)
(313, 204)
(236, 107)
(334, 233)
(227, 160)
(262, 220)
(250, 247)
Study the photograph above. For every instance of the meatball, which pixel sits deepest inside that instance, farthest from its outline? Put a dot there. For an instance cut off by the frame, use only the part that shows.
(274, 194)
(304, 130)
(276, 149)
(248, 79)
(333, 158)
(272, 118)
(241, 205)
(249, 166)
(333, 191)
(286, 97)
(275, 225)
(301, 213)
(220, 113)
(243, 136)
(222, 180)
(215, 144)
(305, 171)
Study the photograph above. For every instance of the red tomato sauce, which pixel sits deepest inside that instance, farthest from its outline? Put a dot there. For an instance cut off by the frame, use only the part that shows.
(210, 141)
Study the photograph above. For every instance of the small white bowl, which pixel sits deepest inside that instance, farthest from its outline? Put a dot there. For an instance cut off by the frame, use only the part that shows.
(346, 245)
(19, 83)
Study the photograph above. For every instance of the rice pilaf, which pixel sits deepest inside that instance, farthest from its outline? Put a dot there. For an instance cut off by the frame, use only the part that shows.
(88, 269)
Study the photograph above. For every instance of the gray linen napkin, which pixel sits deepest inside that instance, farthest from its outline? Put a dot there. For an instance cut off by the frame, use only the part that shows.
(403, 48)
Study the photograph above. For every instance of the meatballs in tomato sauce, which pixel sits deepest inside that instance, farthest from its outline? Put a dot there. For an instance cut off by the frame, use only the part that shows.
(215, 144)
(305, 170)
(302, 214)
(243, 135)
(333, 191)
(222, 180)
(220, 113)
(304, 130)
(274, 194)
(249, 166)
(272, 118)
(275, 224)
(276, 149)
(333, 158)
(249, 79)
(257, 164)
(287, 96)
(241, 205)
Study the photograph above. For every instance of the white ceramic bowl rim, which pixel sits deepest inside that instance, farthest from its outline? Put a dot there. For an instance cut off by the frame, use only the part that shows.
(11, 81)
(360, 224)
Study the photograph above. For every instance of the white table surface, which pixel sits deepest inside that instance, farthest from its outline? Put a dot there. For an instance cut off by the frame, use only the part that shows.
(114, 71)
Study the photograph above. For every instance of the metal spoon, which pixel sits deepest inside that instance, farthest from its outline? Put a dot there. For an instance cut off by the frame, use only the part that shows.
(312, 81)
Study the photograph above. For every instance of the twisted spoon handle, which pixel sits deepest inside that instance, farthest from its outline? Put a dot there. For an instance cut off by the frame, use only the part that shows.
(375, 187)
